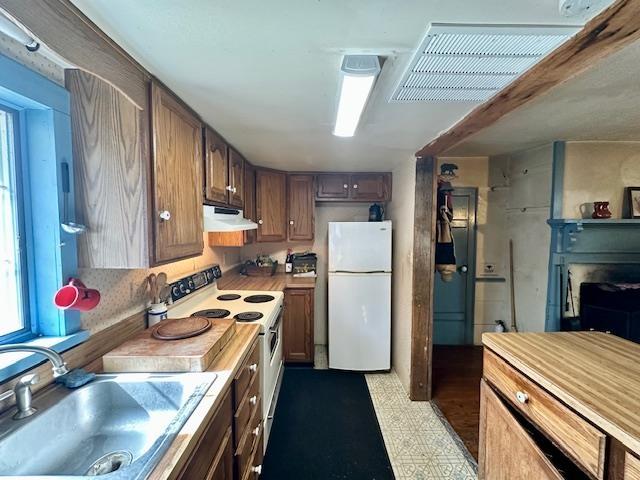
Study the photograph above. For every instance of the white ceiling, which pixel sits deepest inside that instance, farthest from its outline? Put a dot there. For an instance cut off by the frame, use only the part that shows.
(265, 73)
(601, 104)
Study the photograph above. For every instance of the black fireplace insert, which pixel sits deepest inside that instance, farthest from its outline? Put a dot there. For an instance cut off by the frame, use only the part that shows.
(611, 307)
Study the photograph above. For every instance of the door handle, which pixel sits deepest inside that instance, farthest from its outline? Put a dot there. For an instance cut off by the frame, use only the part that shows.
(464, 269)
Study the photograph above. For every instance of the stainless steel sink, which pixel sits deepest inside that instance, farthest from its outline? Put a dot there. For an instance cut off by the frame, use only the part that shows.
(117, 426)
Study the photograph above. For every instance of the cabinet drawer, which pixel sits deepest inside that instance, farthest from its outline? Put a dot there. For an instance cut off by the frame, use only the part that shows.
(250, 439)
(249, 370)
(250, 403)
(222, 468)
(577, 438)
(201, 463)
(254, 468)
(631, 467)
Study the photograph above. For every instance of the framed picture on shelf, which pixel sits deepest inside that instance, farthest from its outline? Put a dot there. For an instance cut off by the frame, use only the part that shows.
(633, 200)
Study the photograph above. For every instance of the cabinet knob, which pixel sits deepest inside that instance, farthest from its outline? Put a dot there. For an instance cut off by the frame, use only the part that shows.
(253, 367)
(229, 188)
(355, 186)
(290, 222)
(345, 186)
(522, 397)
(260, 222)
(253, 400)
(165, 215)
(257, 469)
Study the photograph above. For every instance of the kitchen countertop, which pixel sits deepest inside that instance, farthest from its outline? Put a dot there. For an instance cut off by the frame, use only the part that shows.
(225, 366)
(597, 374)
(278, 282)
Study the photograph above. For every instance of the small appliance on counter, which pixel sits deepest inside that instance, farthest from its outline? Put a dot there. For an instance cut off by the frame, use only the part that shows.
(304, 262)
(263, 266)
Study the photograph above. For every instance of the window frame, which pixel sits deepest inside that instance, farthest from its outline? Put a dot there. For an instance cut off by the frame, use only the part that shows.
(18, 165)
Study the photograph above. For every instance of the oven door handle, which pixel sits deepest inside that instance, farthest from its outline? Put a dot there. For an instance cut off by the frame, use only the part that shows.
(276, 325)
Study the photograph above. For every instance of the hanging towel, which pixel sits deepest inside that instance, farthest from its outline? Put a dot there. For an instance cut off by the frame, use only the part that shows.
(445, 249)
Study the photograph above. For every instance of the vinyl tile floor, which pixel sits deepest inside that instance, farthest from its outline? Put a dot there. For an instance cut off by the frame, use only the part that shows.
(420, 442)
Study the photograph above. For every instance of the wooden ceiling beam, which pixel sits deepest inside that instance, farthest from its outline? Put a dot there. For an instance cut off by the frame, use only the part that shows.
(613, 29)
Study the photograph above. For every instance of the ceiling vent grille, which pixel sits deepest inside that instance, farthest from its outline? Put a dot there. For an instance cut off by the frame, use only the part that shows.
(471, 63)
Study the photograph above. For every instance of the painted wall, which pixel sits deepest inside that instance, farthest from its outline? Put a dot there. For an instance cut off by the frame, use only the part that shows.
(528, 206)
(325, 213)
(401, 212)
(598, 171)
(489, 176)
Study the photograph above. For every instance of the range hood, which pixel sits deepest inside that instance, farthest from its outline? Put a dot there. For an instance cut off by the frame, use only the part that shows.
(220, 219)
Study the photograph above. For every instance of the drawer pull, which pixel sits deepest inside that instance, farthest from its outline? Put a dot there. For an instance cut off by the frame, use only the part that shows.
(253, 400)
(256, 431)
(522, 397)
(257, 469)
(253, 367)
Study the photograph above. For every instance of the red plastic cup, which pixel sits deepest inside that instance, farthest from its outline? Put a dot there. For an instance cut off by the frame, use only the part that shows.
(76, 296)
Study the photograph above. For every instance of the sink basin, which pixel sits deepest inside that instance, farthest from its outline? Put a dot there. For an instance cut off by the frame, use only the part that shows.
(116, 427)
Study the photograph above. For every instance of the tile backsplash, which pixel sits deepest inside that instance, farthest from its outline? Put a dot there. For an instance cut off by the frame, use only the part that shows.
(124, 292)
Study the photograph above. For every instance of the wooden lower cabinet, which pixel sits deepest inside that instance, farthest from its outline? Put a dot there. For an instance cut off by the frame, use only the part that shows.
(297, 328)
(213, 456)
(507, 451)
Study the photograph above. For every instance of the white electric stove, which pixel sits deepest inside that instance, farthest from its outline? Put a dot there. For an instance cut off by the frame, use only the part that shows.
(199, 295)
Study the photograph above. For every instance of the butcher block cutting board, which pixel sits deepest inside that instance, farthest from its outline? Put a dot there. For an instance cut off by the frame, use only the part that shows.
(144, 353)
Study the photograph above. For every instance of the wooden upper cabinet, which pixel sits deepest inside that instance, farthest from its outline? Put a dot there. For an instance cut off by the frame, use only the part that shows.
(216, 168)
(332, 186)
(236, 178)
(271, 205)
(249, 200)
(297, 326)
(374, 187)
(301, 207)
(177, 173)
(111, 162)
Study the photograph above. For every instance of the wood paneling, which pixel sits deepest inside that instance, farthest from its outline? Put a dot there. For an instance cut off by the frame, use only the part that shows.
(236, 178)
(301, 207)
(332, 186)
(249, 200)
(577, 438)
(271, 205)
(423, 267)
(297, 328)
(111, 196)
(177, 173)
(595, 374)
(608, 32)
(216, 168)
(507, 452)
(371, 187)
(63, 28)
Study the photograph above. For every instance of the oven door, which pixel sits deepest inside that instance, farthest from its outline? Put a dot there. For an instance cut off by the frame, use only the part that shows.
(272, 373)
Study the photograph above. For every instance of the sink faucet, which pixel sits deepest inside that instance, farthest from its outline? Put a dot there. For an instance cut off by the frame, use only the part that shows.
(22, 389)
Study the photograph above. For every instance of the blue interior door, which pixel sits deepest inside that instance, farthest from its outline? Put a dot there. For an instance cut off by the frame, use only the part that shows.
(453, 301)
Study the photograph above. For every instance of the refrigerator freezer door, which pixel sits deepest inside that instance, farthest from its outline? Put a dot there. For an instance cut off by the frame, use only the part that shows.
(360, 321)
(359, 246)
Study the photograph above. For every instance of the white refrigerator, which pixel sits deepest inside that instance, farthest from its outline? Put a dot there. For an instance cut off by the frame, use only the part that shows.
(360, 295)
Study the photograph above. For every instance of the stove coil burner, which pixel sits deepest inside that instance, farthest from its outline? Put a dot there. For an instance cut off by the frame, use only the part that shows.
(259, 298)
(248, 316)
(212, 313)
(228, 296)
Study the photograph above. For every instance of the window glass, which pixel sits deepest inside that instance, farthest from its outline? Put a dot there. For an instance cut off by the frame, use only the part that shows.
(12, 294)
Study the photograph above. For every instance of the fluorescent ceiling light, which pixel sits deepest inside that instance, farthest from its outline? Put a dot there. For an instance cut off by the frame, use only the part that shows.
(359, 73)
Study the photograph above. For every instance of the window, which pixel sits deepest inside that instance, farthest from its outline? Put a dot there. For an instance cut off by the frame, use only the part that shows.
(15, 315)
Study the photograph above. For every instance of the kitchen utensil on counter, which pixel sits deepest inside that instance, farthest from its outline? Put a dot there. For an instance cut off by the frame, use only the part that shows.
(68, 226)
(179, 328)
(76, 296)
(376, 213)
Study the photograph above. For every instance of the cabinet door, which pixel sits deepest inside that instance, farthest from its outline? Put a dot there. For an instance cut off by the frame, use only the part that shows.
(236, 178)
(507, 451)
(216, 168)
(332, 186)
(177, 174)
(374, 187)
(301, 207)
(297, 328)
(271, 205)
(249, 200)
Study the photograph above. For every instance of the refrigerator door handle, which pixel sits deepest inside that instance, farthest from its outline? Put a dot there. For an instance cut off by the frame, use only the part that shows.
(361, 273)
